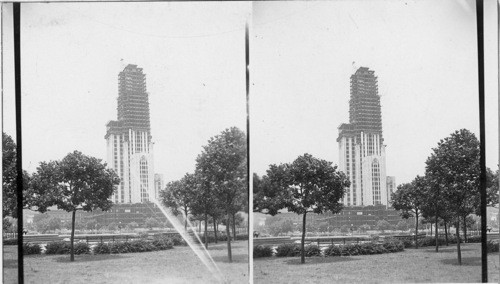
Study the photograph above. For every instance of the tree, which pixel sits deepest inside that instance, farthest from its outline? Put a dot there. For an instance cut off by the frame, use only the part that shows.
(364, 228)
(179, 195)
(409, 199)
(265, 198)
(91, 224)
(306, 185)
(112, 226)
(323, 227)
(236, 220)
(7, 224)
(9, 178)
(132, 225)
(402, 225)
(383, 225)
(45, 222)
(203, 204)
(77, 182)
(222, 166)
(287, 226)
(491, 190)
(454, 168)
(151, 223)
(344, 229)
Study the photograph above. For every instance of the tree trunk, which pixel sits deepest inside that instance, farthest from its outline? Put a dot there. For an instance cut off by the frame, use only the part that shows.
(72, 240)
(465, 229)
(206, 231)
(234, 227)
(215, 230)
(185, 219)
(302, 250)
(437, 235)
(416, 230)
(458, 242)
(445, 233)
(199, 227)
(229, 255)
(431, 229)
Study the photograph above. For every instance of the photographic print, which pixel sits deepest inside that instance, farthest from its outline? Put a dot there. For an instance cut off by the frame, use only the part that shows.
(365, 142)
(134, 142)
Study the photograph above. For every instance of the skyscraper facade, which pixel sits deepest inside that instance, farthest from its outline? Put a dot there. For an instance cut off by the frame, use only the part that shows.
(129, 145)
(361, 144)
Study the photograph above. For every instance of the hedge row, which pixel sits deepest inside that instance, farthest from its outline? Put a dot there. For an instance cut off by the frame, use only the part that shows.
(10, 242)
(291, 250)
(62, 247)
(431, 241)
(492, 246)
(133, 246)
(29, 248)
(364, 249)
(222, 238)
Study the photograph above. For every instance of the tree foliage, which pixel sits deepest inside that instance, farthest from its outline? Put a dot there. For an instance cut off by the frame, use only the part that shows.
(151, 223)
(77, 182)
(180, 196)
(306, 185)
(9, 178)
(383, 225)
(409, 199)
(453, 169)
(222, 169)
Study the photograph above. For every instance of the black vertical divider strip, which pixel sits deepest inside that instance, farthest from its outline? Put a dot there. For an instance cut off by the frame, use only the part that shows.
(247, 81)
(19, 164)
(482, 160)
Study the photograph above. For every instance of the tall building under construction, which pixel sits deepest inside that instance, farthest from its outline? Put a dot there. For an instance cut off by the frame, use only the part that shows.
(129, 145)
(361, 144)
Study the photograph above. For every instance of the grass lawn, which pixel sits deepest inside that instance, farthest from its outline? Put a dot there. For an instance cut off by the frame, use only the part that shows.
(178, 265)
(411, 265)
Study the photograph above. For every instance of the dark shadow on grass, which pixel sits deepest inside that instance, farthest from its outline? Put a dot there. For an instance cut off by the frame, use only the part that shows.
(445, 249)
(237, 258)
(319, 260)
(466, 261)
(89, 257)
(9, 263)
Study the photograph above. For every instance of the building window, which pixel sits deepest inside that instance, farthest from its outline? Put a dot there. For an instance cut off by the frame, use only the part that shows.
(143, 166)
(376, 182)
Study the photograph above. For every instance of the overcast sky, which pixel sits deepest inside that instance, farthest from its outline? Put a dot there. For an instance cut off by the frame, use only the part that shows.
(423, 52)
(193, 55)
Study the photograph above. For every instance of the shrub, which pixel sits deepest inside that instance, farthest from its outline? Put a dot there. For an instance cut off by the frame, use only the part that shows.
(312, 250)
(102, 248)
(10, 242)
(179, 241)
(408, 242)
(141, 246)
(262, 251)
(143, 235)
(59, 247)
(163, 243)
(393, 246)
(81, 248)
(29, 248)
(119, 247)
(364, 249)
(333, 250)
(242, 237)
(288, 250)
(492, 246)
(474, 239)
